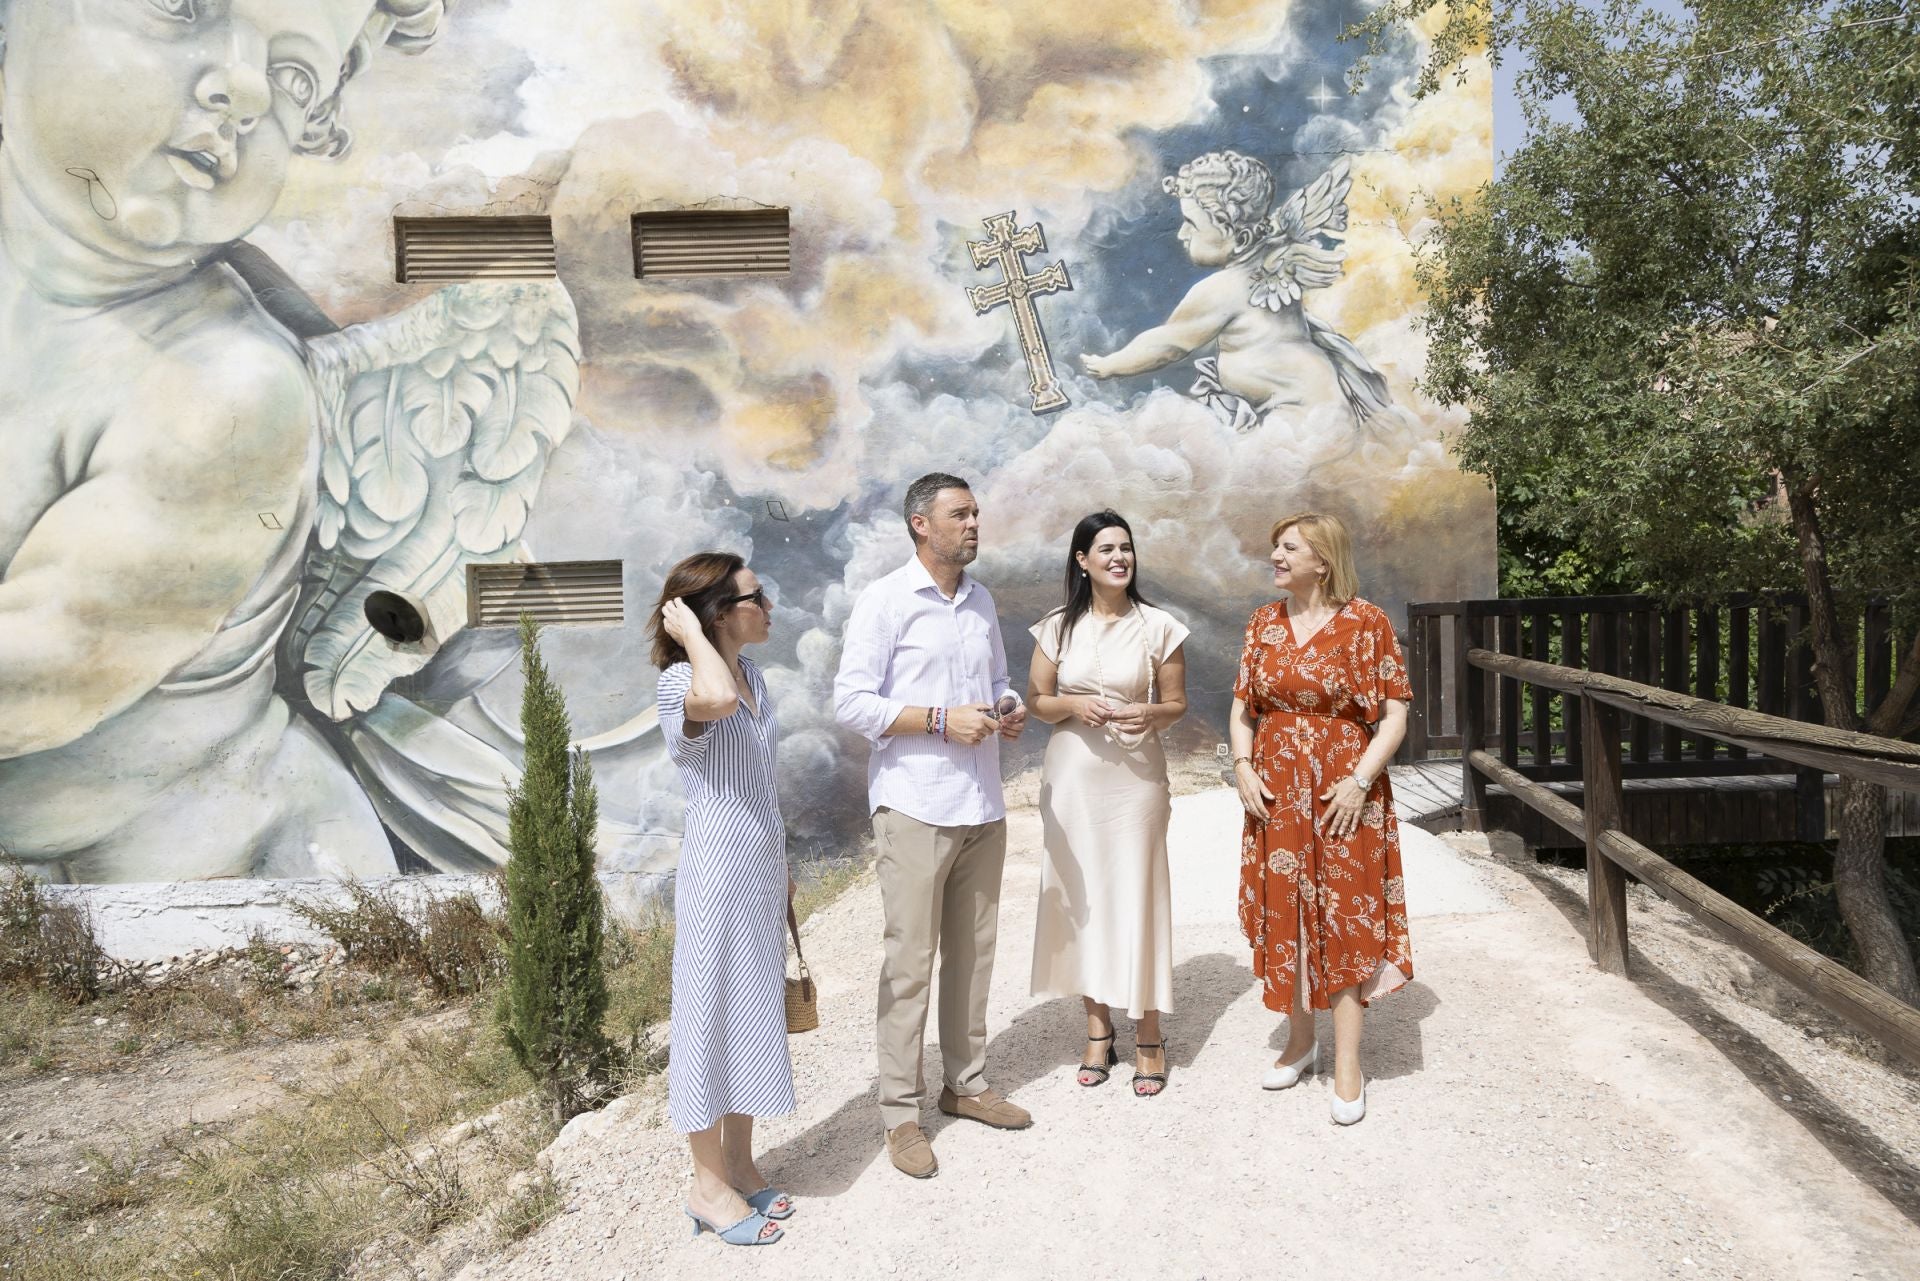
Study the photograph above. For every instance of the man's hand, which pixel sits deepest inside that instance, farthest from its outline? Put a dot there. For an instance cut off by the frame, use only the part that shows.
(970, 723)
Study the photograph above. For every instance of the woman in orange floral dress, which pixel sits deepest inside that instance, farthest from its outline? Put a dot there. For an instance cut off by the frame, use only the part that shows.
(1318, 711)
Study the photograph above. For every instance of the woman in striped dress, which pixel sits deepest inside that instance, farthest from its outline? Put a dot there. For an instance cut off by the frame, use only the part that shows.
(729, 1057)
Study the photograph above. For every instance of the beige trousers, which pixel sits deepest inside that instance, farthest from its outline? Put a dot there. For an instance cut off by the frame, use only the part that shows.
(940, 887)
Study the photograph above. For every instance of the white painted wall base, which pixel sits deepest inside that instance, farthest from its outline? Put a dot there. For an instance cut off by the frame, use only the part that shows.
(152, 922)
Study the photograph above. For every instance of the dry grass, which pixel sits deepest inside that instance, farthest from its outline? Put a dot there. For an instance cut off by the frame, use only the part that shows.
(367, 1159)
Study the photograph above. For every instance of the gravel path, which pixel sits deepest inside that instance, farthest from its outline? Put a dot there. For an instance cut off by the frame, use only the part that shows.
(1528, 1117)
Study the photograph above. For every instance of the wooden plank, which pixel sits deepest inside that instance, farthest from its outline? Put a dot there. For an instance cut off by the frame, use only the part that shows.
(1602, 799)
(1706, 668)
(1738, 660)
(1812, 746)
(1510, 693)
(1673, 674)
(1413, 746)
(1832, 986)
(1469, 632)
(1877, 641)
(1641, 666)
(1541, 627)
(1572, 654)
(1770, 697)
(1436, 678)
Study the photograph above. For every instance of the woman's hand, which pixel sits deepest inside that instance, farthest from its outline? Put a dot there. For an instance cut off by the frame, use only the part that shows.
(1342, 815)
(1130, 718)
(1253, 793)
(1091, 710)
(679, 621)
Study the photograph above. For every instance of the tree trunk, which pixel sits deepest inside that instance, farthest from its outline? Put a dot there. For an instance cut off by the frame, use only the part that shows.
(1859, 857)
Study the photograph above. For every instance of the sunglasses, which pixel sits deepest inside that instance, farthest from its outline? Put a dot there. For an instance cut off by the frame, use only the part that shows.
(758, 596)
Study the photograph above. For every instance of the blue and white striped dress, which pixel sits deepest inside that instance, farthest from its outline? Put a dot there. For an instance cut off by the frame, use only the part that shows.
(729, 1050)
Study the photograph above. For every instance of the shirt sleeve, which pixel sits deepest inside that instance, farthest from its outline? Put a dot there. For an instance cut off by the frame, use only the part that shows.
(670, 702)
(1001, 681)
(866, 653)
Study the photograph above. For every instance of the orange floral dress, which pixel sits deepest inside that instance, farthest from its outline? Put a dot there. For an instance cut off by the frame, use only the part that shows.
(1343, 901)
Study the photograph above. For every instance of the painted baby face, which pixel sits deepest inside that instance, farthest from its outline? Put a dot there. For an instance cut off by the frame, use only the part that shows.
(1207, 245)
(154, 130)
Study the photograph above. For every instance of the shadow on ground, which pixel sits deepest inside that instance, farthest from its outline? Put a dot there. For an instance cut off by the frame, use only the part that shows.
(826, 1158)
(1855, 1146)
(1391, 1045)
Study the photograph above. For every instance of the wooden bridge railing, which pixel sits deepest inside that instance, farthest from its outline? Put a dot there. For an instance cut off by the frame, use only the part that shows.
(1748, 651)
(1604, 703)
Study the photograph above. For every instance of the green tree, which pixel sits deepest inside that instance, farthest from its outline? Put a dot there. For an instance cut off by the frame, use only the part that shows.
(555, 997)
(1685, 322)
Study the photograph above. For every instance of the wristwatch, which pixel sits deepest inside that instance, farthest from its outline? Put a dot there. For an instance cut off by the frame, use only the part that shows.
(1361, 781)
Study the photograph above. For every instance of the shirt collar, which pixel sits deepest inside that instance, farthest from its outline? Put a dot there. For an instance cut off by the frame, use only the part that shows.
(921, 580)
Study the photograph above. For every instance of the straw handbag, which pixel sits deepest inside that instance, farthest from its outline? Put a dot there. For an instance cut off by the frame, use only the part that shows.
(803, 1000)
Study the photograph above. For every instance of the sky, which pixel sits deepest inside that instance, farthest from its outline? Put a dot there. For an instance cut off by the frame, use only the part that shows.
(1508, 131)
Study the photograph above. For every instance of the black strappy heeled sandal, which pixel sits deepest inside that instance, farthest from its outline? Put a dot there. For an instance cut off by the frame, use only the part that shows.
(1104, 1069)
(1159, 1078)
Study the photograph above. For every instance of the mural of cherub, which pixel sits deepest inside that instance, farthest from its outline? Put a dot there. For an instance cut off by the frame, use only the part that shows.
(198, 502)
(1274, 358)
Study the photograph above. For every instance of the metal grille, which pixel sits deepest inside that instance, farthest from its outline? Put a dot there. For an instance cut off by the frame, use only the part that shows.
(585, 592)
(439, 249)
(717, 242)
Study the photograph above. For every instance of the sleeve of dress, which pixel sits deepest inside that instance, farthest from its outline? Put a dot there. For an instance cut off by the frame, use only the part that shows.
(1383, 669)
(670, 701)
(1243, 682)
(1046, 637)
(1173, 634)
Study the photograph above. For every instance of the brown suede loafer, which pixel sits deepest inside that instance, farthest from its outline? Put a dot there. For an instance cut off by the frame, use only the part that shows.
(986, 1107)
(910, 1152)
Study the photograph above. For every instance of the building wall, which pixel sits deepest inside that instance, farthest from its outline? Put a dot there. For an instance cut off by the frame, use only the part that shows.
(168, 720)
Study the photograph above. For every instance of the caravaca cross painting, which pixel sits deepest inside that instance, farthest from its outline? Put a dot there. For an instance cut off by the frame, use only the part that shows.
(1150, 255)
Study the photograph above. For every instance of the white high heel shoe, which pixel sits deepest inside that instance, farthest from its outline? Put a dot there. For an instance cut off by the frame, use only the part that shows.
(1345, 1113)
(1288, 1074)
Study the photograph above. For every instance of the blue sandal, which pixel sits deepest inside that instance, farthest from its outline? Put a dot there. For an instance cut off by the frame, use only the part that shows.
(766, 1198)
(745, 1232)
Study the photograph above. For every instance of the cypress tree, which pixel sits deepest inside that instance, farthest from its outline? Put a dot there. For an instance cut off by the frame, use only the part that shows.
(556, 992)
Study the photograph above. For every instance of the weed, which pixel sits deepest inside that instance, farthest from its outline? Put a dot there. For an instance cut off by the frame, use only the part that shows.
(527, 1207)
(46, 943)
(266, 963)
(371, 928)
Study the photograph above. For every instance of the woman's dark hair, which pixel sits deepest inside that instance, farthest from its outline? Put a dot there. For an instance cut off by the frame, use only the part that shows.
(1079, 587)
(705, 581)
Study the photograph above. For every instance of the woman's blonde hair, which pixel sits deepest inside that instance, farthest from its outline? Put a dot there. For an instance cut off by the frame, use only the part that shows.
(1328, 537)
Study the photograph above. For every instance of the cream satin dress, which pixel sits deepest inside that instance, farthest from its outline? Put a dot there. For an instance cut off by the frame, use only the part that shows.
(1105, 921)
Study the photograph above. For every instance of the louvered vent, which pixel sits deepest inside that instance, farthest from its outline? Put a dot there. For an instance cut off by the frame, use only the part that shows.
(430, 249)
(711, 242)
(569, 591)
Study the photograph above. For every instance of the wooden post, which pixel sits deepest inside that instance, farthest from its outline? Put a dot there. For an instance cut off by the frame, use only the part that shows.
(1470, 632)
(1603, 805)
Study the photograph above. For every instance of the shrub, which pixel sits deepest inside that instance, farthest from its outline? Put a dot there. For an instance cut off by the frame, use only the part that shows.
(48, 944)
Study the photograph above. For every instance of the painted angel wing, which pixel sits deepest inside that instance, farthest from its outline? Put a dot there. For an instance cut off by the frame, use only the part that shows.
(1297, 257)
(436, 426)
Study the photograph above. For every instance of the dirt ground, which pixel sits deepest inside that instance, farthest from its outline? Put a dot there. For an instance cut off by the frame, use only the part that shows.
(1528, 1116)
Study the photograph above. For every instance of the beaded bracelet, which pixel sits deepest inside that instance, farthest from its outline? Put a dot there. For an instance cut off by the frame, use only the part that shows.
(940, 722)
(929, 722)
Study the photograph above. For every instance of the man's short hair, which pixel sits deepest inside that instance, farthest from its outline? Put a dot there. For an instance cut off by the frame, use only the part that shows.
(922, 492)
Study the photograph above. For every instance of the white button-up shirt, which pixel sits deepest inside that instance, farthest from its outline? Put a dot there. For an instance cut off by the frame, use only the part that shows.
(907, 645)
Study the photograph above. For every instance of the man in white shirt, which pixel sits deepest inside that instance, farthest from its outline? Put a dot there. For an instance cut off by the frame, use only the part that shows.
(922, 677)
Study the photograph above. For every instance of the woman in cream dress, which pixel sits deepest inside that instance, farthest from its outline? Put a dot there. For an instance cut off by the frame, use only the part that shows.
(1108, 670)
